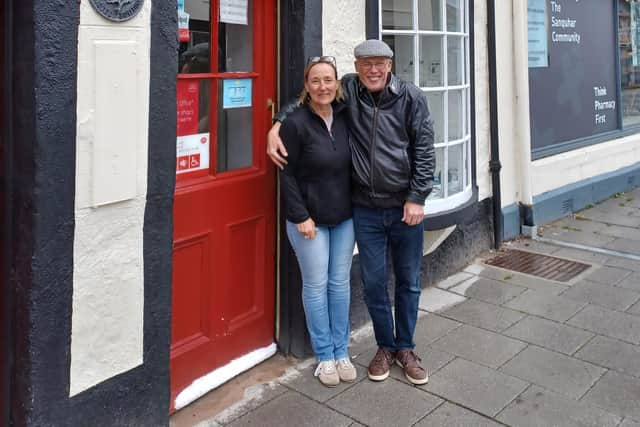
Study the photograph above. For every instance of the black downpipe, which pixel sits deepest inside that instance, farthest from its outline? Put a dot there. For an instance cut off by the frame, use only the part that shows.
(494, 163)
(6, 293)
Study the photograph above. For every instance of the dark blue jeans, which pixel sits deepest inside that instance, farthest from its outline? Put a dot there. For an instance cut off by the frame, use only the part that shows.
(377, 232)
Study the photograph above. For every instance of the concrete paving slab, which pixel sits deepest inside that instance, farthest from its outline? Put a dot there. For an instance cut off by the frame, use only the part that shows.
(544, 305)
(385, 403)
(292, 409)
(549, 334)
(616, 393)
(254, 398)
(519, 279)
(538, 407)
(577, 236)
(483, 315)
(625, 263)
(625, 327)
(554, 371)
(453, 280)
(573, 224)
(612, 354)
(480, 346)
(624, 245)
(431, 327)
(527, 244)
(488, 290)
(580, 255)
(309, 385)
(436, 300)
(631, 282)
(634, 309)
(619, 231)
(611, 297)
(612, 218)
(450, 415)
(628, 422)
(474, 386)
(608, 275)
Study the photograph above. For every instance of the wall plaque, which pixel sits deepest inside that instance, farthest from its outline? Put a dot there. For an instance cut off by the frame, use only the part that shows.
(117, 10)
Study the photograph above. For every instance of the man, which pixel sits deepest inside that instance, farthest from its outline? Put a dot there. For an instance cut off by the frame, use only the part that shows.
(393, 164)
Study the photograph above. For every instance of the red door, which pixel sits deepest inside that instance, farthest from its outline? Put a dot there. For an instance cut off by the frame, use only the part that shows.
(224, 214)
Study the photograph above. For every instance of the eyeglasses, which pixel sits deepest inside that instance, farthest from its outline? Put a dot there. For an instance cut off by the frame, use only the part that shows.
(329, 59)
(366, 65)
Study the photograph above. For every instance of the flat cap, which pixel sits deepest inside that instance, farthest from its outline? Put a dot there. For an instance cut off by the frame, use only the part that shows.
(372, 48)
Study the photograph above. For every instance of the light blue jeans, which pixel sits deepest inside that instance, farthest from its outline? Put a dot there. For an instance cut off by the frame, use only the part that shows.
(325, 264)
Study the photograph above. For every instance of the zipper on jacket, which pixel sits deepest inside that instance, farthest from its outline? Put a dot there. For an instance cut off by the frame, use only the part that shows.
(374, 126)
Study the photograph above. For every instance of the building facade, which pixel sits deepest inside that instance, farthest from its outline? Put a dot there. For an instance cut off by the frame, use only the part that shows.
(144, 257)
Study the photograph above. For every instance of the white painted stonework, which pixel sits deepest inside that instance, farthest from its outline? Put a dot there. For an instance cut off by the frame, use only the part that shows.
(111, 186)
(574, 166)
(481, 87)
(343, 27)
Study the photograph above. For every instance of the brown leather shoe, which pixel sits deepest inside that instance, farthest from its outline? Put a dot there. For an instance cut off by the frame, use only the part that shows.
(413, 370)
(380, 365)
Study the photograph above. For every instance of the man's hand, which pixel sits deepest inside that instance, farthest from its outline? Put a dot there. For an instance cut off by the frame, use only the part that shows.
(275, 147)
(413, 213)
(307, 229)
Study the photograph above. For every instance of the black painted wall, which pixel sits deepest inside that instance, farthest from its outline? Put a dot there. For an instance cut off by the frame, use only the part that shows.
(45, 40)
(300, 38)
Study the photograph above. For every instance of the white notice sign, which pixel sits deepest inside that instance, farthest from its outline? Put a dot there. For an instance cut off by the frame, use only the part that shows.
(233, 11)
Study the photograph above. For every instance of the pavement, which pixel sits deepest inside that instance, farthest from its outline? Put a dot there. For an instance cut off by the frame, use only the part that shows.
(501, 347)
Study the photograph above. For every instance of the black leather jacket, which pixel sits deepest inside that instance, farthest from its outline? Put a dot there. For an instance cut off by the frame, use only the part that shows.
(391, 143)
(393, 158)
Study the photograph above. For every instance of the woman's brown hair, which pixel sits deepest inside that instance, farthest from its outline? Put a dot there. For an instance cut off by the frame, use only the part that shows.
(313, 61)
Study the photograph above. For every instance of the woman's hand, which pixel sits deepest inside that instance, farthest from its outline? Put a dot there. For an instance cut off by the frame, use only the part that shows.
(307, 229)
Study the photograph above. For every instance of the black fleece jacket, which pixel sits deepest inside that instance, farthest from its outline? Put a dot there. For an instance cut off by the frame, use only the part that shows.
(316, 182)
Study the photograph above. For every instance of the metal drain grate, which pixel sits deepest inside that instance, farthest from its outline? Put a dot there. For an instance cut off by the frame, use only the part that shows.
(544, 266)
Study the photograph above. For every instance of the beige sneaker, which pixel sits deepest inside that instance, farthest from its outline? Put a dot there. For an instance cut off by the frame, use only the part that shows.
(327, 373)
(346, 370)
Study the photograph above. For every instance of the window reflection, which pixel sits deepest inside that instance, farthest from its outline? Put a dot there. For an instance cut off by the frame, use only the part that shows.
(194, 50)
(629, 41)
(402, 47)
(397, 14)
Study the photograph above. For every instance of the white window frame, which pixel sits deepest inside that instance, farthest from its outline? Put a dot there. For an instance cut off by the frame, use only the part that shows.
(446, 202)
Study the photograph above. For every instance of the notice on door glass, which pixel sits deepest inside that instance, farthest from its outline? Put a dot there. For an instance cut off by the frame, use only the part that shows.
(236, 93)
(234, 11)
(192, 153)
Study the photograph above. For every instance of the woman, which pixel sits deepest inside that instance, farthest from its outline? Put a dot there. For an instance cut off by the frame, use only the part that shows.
(316, 187)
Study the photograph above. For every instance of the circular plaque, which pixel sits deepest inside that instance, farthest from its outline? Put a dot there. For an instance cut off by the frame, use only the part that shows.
(117, 10)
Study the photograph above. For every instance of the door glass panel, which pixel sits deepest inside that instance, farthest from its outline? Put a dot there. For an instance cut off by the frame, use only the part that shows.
(194, 35)
(397, 14)
(455, 169)
(429, 15)
(435, 104)
(192, 106)
(235, 136)
(402, 47)
(235, 44)
(431, 61)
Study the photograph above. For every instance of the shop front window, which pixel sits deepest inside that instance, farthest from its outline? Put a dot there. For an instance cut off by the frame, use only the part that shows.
(629, 45)
(430, 40)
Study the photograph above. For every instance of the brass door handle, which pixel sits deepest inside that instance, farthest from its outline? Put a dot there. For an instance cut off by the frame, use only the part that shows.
(271, 106)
